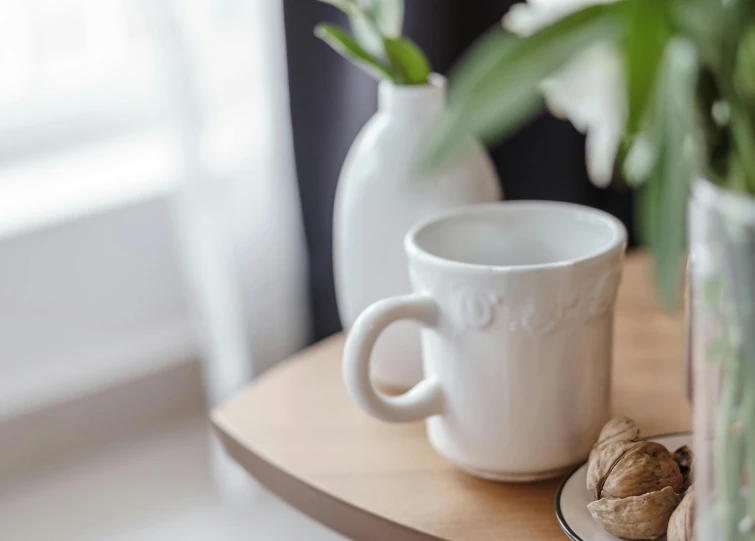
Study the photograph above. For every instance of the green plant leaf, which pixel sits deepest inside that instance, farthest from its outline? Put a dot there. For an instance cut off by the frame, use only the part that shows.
(743, 138)
(376, 20)
(672, 127)
(387, 14)
(716, 28)
(368, 34)
(408, 61)
(347, 47)
(366, 31)
(498, 86)
(649, 30)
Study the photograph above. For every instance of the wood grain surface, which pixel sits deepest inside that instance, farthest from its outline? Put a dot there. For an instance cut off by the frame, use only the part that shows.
(296, 430)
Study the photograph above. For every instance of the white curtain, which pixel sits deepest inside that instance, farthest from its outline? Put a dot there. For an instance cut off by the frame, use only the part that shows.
(238, 212)
(122, 104)
(132, 130)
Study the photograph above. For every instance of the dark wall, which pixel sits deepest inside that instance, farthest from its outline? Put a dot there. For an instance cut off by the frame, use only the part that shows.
(331, 100)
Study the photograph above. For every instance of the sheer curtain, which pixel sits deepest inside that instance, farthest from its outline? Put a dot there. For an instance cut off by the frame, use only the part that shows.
(237, 211)
(113, 104)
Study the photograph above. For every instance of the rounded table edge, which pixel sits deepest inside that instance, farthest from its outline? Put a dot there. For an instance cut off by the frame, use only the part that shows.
(338, 515)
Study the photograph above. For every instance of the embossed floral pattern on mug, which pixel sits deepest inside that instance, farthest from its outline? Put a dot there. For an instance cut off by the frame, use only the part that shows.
(542, 315)
(474, 309)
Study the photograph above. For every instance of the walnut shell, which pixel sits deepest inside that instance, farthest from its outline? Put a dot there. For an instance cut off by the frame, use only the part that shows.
(681, 523)
(603, 461)
(646, 467)
(684, 457)
(636, 517)
(617, 429)
(626, 468)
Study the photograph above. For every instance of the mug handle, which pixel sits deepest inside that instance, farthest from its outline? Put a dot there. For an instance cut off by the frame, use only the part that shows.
(422, 400)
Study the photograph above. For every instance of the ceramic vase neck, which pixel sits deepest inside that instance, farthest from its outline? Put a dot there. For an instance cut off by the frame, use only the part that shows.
(413, 100)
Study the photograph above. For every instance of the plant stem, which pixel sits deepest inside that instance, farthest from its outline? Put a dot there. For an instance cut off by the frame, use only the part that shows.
(748, 417)
(735, 454)
(729, 450)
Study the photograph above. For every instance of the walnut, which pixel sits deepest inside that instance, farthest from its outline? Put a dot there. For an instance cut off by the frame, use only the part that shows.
(684, 457)
(602, 462)
(681, 524)
(646, 467)
(616, 430)
(636, 517)
(636, 484)
(624, 468)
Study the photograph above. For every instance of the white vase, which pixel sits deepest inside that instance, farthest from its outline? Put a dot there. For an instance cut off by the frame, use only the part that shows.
(380, 196)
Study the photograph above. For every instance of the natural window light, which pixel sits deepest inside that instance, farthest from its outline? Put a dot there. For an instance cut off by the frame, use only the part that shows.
(100, 98)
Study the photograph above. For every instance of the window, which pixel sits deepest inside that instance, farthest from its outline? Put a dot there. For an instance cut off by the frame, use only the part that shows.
(74, 71)
(98, 98)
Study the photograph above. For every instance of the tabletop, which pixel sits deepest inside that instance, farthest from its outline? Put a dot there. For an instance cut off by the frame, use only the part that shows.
(297, 431)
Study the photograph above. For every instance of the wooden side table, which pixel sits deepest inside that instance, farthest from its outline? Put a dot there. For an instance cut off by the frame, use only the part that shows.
(297, 431)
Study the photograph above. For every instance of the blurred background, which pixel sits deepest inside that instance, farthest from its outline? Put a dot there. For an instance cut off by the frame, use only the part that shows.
(167, 175)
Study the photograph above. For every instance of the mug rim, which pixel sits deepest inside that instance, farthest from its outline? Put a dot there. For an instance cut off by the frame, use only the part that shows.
(414, 250)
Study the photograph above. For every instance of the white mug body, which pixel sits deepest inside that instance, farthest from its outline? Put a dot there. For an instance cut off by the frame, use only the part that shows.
(516, 300)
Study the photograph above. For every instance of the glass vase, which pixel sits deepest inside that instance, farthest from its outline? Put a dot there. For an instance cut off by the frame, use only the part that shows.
(721, 278)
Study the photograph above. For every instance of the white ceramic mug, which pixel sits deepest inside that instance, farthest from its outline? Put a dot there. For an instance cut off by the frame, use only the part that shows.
(516, 300)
